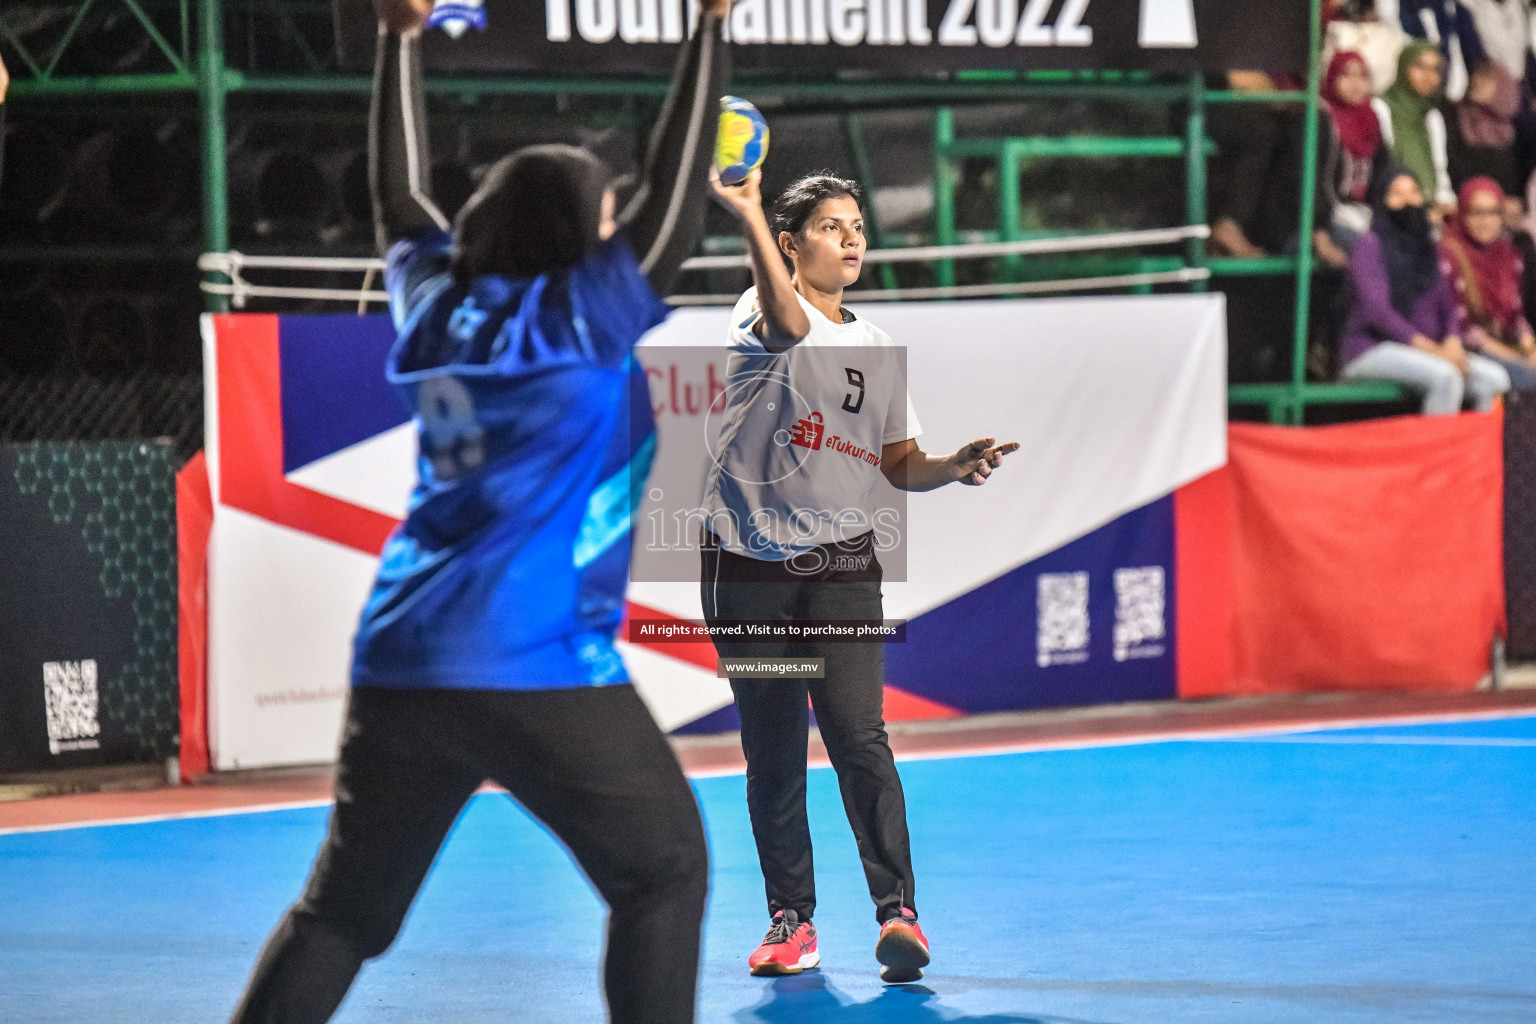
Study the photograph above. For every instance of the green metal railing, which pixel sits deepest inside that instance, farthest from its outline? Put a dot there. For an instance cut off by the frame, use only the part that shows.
(1012, 153)
(198, 66)
(43, 65)
(1284, 401)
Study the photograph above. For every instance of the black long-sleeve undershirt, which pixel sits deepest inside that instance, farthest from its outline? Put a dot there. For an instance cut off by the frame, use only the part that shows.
(665, 217)
(399, 166)
(662, 222)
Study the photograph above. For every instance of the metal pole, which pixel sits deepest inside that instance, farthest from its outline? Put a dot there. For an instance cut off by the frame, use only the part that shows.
(853, 130)
(944, 190)
(211, 97)
(1010, 164)
(1194, 173)
(1308, 197)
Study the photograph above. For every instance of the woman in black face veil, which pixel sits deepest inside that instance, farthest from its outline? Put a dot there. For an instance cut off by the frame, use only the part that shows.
(1402, 315)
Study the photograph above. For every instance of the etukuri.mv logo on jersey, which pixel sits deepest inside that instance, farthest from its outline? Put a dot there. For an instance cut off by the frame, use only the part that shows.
(808, 433)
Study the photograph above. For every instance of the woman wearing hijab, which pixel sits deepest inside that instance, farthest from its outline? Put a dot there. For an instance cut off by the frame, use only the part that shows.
(1480, 260)
(1353, 155)
(1402, 316)
(1413, 126)
(1482, 130)
(1448, 25)
(1361, 28)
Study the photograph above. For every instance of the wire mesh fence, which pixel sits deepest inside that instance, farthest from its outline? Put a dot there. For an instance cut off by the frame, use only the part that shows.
(104, 509)
(145, 404)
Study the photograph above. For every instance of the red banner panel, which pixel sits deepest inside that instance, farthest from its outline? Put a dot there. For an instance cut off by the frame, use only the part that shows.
(1202, 546)
(1367, 555)
(194, 519)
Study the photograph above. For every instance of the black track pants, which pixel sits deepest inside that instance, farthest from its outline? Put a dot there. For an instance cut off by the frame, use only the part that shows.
(849, 705)
(590, 763)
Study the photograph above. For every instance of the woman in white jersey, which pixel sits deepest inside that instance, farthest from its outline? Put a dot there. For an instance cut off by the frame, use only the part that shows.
(815, 411)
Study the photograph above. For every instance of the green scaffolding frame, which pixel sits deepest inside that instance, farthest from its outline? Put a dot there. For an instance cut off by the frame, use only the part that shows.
(198, 66)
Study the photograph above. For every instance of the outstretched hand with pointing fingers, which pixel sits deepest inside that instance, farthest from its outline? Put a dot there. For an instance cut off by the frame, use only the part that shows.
(976, 461)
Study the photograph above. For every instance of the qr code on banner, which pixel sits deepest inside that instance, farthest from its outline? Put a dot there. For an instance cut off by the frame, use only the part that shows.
(1062, 618)
(70, 699)
(1140, 607)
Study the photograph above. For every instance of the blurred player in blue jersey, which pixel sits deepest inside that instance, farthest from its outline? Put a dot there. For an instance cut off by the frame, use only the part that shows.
(485, 649)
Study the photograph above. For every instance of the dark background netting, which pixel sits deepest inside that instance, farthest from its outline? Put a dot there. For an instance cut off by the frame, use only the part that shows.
(143, 405)
(101, 451)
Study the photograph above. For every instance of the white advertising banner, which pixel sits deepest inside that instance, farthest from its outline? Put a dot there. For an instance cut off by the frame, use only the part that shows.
(1117, 402)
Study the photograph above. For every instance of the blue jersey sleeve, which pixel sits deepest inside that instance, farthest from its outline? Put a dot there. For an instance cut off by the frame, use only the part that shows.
(416, 269)
(613, 296)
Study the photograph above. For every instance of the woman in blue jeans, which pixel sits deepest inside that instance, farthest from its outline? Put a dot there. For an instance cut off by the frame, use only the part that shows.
(1402, 314)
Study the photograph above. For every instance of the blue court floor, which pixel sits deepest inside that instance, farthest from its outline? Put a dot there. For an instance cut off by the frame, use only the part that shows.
(1366, 875)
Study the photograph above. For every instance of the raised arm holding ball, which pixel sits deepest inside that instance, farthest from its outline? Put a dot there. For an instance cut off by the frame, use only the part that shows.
(816, 404)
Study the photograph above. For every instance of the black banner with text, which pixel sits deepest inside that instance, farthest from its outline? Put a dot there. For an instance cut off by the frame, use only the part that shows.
(892, 38)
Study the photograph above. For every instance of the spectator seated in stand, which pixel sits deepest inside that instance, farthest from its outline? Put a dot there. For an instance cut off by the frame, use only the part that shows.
(1414, 127)
(1358, 26)
(1502, 30)
(1499, 32)
(1481, 140)
(1448, 25)
(1485, 269)
(1401, 325)
(1352, 155)
(1256, 176)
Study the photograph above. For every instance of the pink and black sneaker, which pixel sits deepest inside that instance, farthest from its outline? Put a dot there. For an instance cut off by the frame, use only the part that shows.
(788, 948)
(901, 949)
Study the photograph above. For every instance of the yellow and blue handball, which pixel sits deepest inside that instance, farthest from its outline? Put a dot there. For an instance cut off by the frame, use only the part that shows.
(741, 144)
